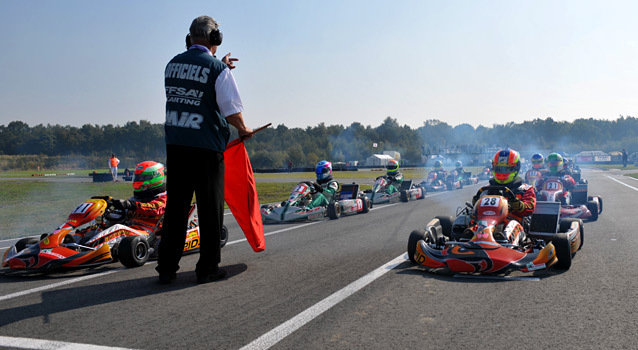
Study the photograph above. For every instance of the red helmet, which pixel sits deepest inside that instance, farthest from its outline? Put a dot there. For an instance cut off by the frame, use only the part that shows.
(506, 165)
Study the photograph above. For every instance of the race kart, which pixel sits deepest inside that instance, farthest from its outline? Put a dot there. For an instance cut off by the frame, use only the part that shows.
(454, 181)
(575, 204)
(485, 174)
(467, 178)
(483, 239)
(407, 192)
(433, 183)
(84, 241)
(532, 176)
(351, 201)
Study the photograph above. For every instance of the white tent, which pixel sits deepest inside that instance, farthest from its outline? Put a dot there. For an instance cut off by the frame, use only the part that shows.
(378, 160)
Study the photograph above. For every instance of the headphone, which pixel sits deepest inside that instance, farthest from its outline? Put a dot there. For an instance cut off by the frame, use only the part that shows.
(215, 37)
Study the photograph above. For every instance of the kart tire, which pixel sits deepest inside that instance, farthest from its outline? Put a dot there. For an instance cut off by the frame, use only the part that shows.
(460, 185)
(223, 236)
(563, 251)
(446, 224)
(404, 196)
(365, 205)
(415, 237)
(567, 222)
(593, 208)
(334, 210)
(600, 202)
(449, 187)
(133, 251)
(24, 242)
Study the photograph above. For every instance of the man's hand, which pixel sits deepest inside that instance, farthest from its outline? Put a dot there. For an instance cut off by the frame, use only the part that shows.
(230, 61)
(317, 187)
(517, 205)
(124, 204)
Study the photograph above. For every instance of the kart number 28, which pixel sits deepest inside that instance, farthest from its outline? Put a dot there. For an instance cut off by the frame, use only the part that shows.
(490, 201)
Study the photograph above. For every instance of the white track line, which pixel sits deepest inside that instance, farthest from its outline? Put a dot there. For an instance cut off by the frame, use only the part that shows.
(274, 336)
(622, 183)
(26, 343)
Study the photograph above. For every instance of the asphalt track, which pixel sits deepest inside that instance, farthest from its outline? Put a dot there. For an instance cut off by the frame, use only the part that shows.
(344, 284)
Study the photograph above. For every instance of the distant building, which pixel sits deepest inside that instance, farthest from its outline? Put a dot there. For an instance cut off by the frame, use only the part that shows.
(378, 160)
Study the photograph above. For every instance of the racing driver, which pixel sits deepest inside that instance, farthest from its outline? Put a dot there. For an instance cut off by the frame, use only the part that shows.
(326, 187)
(148, 203)
(556, 170)
(394, 176)
(505, 168)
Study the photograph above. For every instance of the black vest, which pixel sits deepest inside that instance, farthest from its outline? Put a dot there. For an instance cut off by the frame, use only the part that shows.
(192, 115)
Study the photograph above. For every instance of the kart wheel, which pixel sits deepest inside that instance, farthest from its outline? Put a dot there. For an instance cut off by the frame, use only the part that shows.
(133, 251)
(593, 208)
(446, 225)
(365, 205)
(563, 251)
(567, 222)
(224, 236)
(600, 204)
(23, 243)
(460, 185)
(334, 210)
(404, 196)
(415, 237)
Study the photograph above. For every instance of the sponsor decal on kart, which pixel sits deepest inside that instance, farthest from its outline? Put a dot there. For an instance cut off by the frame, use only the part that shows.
(489, 212)
(49, 252)
(188, 245)
(532, 267)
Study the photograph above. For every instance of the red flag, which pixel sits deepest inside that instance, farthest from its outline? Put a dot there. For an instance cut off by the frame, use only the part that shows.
(240, 193)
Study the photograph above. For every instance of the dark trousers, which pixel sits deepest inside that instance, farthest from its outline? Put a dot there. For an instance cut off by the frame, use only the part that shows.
(200, 171)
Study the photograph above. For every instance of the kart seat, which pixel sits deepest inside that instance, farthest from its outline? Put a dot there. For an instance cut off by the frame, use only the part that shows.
(349, 191)
(406, 184)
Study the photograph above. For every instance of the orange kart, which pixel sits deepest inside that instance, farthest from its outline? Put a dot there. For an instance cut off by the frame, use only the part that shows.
(93, 234)
(483, 239)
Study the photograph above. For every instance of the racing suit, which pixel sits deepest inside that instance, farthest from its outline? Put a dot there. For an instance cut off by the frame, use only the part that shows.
(326, 192)
(145, 215)
(395, 182)
(525, 194)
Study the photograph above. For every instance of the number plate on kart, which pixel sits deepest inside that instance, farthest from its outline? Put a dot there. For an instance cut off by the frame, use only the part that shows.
(490, 201)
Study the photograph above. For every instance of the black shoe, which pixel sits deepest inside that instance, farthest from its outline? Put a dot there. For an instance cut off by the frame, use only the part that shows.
(212, 276)
(167, 278)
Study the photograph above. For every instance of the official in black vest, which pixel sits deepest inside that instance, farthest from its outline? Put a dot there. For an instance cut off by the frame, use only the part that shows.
(201, 100)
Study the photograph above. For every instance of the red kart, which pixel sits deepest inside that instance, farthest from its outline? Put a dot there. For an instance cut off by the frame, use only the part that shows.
(482, 239)
(93, 234)
(574, 204)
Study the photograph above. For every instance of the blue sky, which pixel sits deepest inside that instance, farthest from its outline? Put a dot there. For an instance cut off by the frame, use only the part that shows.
(337, 62)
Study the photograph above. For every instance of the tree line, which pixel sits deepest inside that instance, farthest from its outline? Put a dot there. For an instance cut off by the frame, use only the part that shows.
(277, 146)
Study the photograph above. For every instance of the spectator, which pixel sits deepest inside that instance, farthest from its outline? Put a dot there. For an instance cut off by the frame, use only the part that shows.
(113, 162)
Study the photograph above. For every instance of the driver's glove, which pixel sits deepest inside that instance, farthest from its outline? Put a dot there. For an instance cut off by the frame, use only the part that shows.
(517, 205)
(124, 204)
(317, 187)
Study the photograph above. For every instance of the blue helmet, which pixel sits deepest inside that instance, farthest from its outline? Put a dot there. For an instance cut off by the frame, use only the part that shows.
(324, 170)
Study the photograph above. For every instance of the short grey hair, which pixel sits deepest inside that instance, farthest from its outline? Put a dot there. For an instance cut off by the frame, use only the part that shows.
(202, 26)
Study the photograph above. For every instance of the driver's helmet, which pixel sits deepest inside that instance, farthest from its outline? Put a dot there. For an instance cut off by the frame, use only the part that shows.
(392, 166)
(537, 161)
(554, 163)
(505, 166)
(438, 165)
(566, 163)
(149, 179)
(324, 170)
(458, 165)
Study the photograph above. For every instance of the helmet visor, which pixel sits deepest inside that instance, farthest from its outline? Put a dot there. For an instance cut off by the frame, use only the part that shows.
(504, 169)
(142, 177)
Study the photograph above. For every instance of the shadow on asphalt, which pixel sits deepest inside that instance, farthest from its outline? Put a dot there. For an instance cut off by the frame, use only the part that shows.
(408, 268)
(73, 298)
